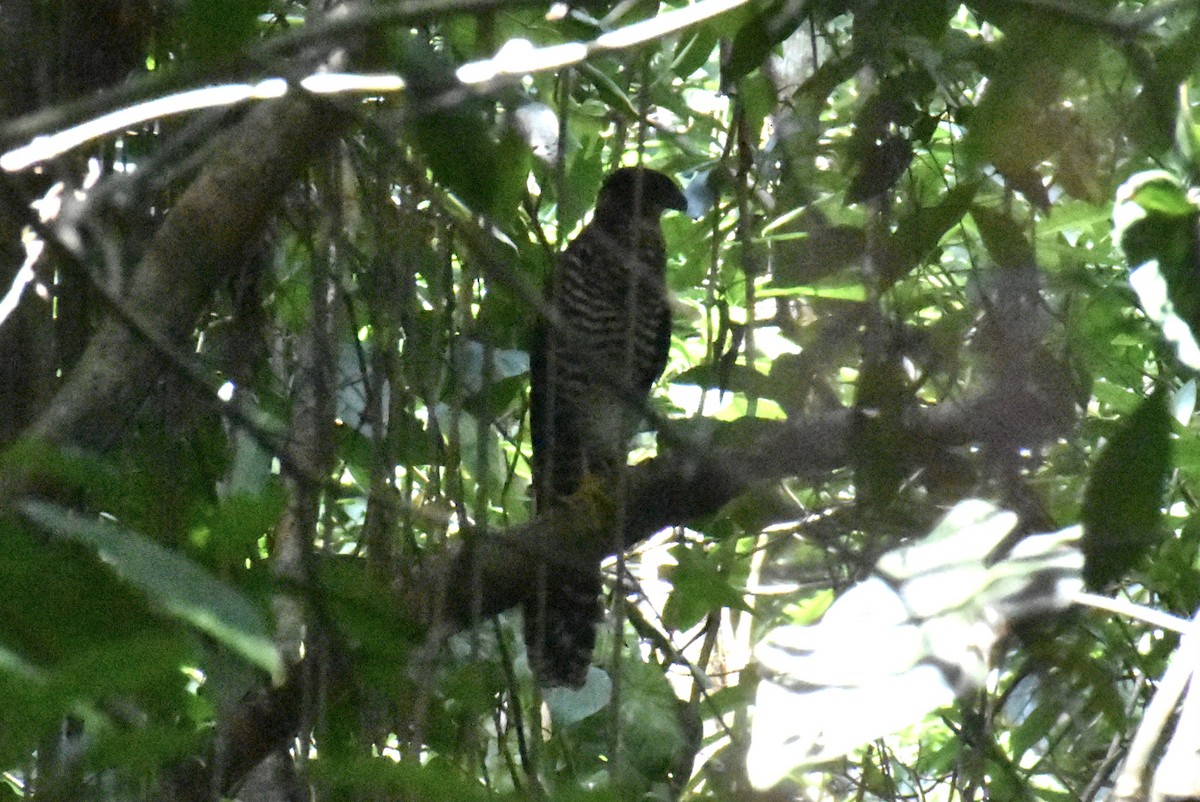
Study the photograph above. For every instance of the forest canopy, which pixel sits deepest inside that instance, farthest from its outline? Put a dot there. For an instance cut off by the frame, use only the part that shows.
(273, 272)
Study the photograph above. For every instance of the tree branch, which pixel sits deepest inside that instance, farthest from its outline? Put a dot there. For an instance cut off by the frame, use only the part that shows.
(199, 243)
(490, 574)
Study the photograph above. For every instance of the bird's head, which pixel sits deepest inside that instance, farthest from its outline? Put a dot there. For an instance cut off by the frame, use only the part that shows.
(638, 191)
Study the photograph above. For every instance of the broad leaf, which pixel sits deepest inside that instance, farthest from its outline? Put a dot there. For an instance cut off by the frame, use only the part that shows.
(1004, 238)
(177, 584)
(759, 36)
(698, 588)
(905, 641)
(919, 232)
(1122, 506)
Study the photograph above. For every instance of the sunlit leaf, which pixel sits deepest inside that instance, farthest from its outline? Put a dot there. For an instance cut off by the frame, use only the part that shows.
(1183, 402)
(699, 587)
(840, 292)
(904, 642)
(780, 743)
(1155, 191)
(571, 705)
(1154, 294)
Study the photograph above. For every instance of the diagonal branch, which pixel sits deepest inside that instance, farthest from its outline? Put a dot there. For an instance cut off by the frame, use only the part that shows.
(195, 250)
(493, 573)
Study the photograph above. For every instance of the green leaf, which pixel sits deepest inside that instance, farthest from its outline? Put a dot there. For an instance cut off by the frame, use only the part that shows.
(1155, 221)
(366, 615)
(879, 455)
(731, 378)
(178, 585)
(90, 604)
(1122, 505)
(805, 257)
(1162, 109)
(920, 231)
(1019, 122)
(145, 667)
(497, 398)
(1187, 134)
(487, 172)
(584, 176)
(698, 588)
(231, 532)
(483, 164)
(353, 777)
(652, 732)
(1153, 289)
(693, 52)
(757, 95)
(143, 751)
(836, 290)
(1036, 726)
(1157, 191)
(216, 29)
(610, 91)
(759, 36)
(1003, 237)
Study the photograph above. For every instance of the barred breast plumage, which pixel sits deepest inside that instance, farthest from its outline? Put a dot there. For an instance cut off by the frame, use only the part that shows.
(591, 374)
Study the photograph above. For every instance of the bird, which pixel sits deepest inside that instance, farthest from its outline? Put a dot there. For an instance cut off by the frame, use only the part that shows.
(593, 362)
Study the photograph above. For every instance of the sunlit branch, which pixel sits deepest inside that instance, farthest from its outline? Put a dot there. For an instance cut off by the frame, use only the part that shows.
(1126, 608)
(516, 58)
(1132, 779)
(519, 56)
(47, 147)
(21, 280)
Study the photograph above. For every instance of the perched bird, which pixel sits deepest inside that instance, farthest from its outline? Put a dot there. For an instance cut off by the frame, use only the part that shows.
(592, 369)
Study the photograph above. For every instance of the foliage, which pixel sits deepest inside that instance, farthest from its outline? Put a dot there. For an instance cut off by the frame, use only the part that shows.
(923, 215)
